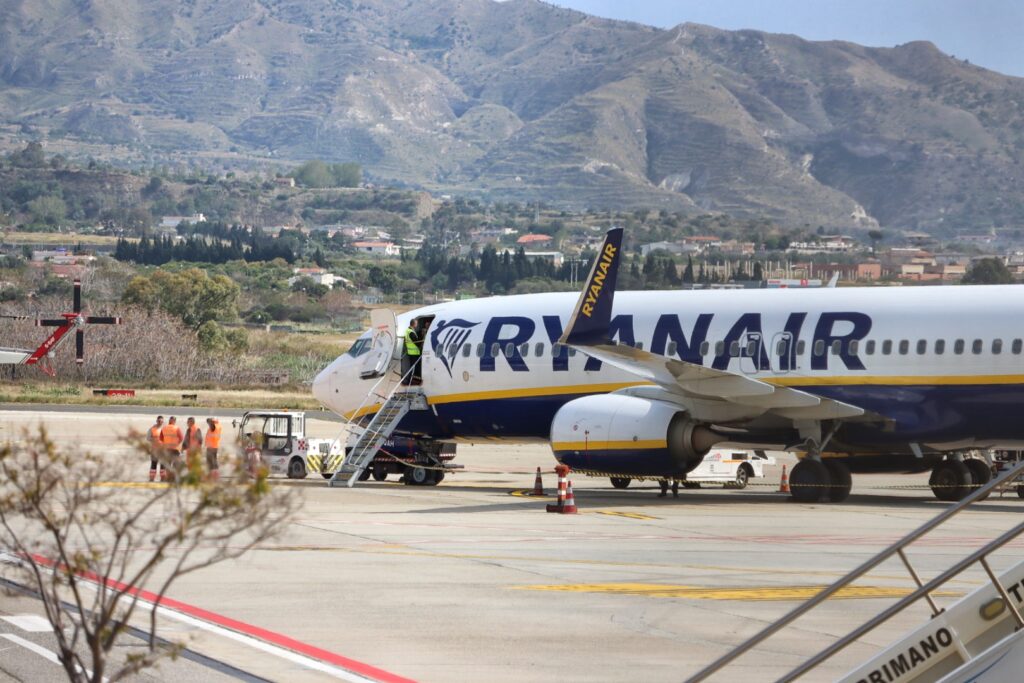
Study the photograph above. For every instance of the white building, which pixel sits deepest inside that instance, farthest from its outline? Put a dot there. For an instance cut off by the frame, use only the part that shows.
(379, 249)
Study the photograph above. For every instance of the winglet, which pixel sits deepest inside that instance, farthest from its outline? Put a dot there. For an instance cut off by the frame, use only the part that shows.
(589, 322)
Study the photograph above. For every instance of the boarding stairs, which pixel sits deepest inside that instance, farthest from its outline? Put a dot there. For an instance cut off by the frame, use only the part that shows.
(980, 637)
(397, 405)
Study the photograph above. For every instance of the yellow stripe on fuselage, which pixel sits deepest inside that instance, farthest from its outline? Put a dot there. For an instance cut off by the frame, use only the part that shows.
(892, 380)
(596, 445)
(789, 381)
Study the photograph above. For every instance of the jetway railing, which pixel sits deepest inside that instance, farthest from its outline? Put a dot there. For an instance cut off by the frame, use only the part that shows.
(924, 590)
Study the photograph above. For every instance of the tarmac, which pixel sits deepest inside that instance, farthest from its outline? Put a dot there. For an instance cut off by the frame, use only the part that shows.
(471, 580)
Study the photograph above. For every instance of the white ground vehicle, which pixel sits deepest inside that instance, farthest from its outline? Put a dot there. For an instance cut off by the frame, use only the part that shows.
(732, 468)
(280, 438)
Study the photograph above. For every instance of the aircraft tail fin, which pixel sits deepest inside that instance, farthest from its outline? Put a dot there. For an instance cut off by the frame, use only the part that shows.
(591, 318)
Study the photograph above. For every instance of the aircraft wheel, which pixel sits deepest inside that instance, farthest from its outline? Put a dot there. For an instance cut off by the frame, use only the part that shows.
(380, 471)
(364, 475)
(438, 477)
(950, 480)
(296, 469)
(981, 473)
(742, 477)
(416, 476)
(841, 481)
(620, 482)
(1020, 490)
(809, 481)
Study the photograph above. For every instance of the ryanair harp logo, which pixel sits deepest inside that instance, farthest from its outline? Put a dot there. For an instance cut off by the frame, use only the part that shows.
(597, 282)
(447, 338)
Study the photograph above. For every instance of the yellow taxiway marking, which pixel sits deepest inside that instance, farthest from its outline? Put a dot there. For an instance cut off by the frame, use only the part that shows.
(405, 550)
(630, 515)
(655, 590)
(528, 493)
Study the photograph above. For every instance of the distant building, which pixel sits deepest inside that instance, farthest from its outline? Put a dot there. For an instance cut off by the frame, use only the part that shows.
(175, 221)
(285, 182)
(60, 256)
(319, 276)
(827, 244)
(556, 258)
(670, 247)
(378, 249)
(533, 240)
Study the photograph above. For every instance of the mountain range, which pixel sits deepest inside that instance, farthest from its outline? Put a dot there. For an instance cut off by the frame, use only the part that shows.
(522, 100)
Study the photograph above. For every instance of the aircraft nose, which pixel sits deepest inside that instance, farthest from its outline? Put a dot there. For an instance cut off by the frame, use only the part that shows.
(335, 386)
(321, 385)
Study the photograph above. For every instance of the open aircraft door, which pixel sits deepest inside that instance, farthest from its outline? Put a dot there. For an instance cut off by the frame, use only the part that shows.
(382, 349)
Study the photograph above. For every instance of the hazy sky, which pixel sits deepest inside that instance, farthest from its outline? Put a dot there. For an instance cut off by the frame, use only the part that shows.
(989, 33)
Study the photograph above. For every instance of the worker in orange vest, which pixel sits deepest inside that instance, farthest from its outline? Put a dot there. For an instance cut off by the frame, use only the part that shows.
(155, 446)
(192, 443)
(213, 432)
(170, 437)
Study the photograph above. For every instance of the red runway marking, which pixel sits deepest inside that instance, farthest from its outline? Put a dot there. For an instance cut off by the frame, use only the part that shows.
(278, 639)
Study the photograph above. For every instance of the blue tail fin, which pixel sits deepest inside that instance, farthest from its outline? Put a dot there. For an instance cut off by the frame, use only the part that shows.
(593, 314)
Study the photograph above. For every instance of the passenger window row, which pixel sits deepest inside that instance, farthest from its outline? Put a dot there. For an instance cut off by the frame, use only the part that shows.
(782, 348)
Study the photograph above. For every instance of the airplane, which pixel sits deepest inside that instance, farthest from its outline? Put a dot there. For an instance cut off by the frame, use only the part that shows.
(75, 320)
(644, 384)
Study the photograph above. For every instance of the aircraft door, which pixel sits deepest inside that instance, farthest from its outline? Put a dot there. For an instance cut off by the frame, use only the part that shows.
(782, 354)
(750, 352)
(382, 345)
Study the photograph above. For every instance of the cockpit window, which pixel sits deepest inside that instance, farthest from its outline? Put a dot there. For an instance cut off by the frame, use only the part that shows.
(361, 346)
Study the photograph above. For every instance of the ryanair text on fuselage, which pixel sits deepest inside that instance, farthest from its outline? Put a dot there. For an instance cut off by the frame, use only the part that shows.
(668, 331)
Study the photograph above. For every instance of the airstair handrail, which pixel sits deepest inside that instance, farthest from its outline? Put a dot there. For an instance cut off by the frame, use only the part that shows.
(864, 568)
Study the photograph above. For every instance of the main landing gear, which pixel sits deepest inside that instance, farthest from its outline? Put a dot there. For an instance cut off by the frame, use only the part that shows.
(814, 480)
(953, 479)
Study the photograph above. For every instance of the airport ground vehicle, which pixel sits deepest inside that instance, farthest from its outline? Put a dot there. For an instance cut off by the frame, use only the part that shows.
(732, 468)
(279, 437)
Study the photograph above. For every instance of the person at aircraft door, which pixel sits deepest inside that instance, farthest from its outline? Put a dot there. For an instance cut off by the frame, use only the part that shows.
(411, 369)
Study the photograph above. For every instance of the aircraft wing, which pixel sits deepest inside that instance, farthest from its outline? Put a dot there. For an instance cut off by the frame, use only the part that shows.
(587, 331)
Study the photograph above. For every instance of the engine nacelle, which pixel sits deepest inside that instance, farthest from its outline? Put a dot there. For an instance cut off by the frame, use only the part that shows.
(628, 435)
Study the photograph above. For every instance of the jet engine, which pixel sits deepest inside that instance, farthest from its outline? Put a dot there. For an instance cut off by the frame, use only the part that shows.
(628, 435)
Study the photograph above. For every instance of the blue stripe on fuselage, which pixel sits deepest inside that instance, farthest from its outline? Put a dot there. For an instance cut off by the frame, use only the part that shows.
(918, 413)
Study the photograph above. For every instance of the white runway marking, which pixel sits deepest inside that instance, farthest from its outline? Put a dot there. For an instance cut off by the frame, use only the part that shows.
(33, 623)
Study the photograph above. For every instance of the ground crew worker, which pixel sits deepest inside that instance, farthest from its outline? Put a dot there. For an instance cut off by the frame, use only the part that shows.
(192, 444)
(663, 483)
(170, 437)
(155, 446)
(411, 358)
(212, 446)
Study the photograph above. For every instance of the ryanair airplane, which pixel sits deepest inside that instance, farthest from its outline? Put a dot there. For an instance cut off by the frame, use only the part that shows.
(629, 384)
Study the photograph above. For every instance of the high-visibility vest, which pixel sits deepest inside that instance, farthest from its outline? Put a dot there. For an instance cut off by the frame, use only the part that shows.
(193, 439)
(154, 434)
(170, 435)
(411, 348)
(213, 435)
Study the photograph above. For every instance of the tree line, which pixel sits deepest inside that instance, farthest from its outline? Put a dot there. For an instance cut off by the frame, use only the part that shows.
(238, 246)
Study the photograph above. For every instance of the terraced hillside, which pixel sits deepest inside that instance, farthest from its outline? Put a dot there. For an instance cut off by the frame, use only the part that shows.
(523, 100)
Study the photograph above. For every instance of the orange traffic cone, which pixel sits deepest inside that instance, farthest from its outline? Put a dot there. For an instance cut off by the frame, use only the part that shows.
(538, 485)
(570, 502)
(784, 481)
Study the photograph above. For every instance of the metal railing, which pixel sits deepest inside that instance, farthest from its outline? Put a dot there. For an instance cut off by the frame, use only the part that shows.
(924, 590)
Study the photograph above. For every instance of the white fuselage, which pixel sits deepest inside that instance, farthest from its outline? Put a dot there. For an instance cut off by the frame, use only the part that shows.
(944, 364)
